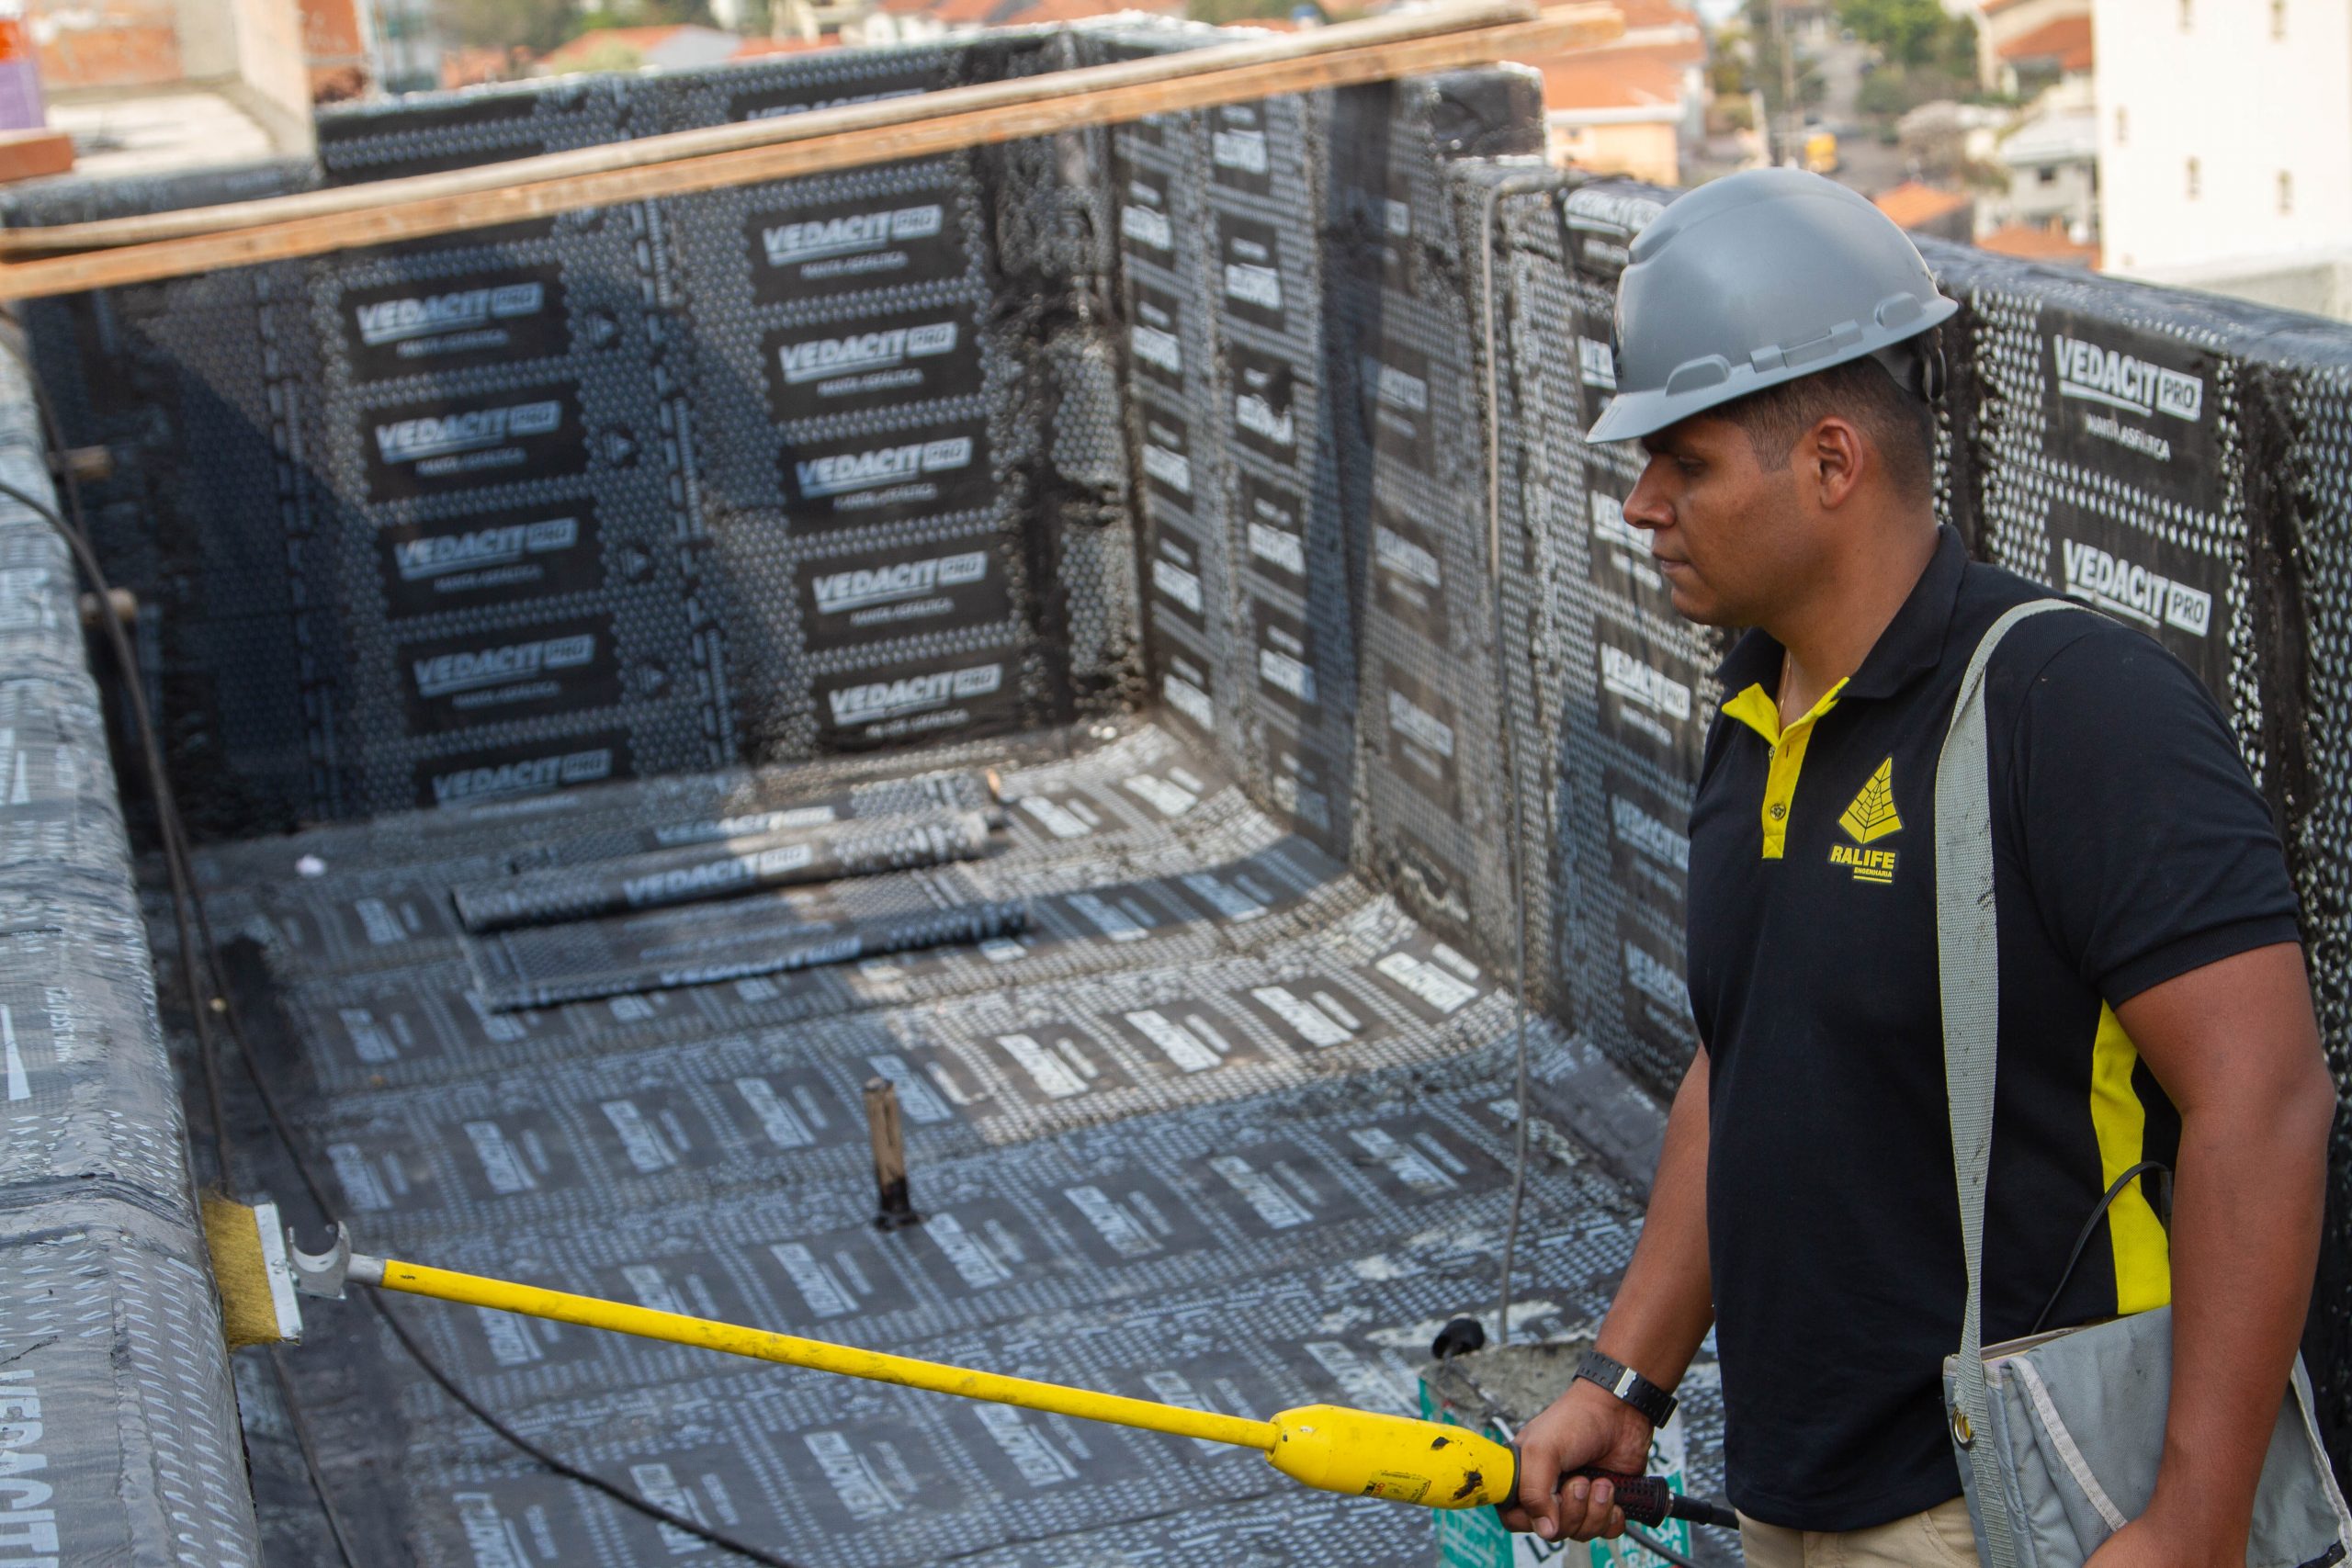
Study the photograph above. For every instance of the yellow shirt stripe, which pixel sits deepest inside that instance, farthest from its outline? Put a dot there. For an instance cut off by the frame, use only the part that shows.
(1756, 708)
(2143, 1252)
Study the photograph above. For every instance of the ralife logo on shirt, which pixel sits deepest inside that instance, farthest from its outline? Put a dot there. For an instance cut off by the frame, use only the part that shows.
(2115, 584)
(2123, 381)
(386, 322)
(854, 233)
(1869, 817)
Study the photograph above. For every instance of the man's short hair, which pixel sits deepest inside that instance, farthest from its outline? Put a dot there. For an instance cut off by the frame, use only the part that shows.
(1898, 421)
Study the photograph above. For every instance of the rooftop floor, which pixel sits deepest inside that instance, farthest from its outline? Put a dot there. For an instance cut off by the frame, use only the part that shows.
(1222, 1125)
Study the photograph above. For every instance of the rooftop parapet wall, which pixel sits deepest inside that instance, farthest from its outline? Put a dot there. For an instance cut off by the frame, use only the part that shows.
(118, 1426)
(638, 492)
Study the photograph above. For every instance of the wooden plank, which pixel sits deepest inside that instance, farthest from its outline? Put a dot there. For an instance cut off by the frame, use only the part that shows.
(148, 228)
(910, 138)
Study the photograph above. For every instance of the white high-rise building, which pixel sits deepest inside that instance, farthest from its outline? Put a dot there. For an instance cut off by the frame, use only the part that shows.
(2226, 146)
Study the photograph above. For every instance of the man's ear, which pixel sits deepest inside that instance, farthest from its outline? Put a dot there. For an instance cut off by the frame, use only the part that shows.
(1832, 459)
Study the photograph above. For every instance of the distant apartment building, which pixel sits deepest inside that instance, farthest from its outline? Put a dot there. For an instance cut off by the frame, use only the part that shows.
(2022, 38)
(2225, 139)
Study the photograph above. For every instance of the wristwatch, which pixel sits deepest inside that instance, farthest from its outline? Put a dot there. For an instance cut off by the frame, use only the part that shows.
(1651, 1400)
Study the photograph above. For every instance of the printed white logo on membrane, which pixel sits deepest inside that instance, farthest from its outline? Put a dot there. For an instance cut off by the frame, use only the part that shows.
(1243, 150)
(1656, 981)
(407, 440)
(490, 1536)
(1146, 226)
(2122, 381)
(1627, 677)
(1254, 284)
(463, 309)
(1256, 415)
(1400, 555)
(840, 591)
(879, 700)
(852, 1479)
(501, 544)
(1398, 389)
(788, 244)
(1172, 468)
(2113, 583)
(1156, 348)
(815, 359)
(448, 672)
(1645, 833)
(529, 776)
(843, 472)
(1415, 723)
(970, 1257)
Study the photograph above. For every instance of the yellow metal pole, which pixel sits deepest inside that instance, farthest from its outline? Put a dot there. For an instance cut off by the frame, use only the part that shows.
(442, 1284)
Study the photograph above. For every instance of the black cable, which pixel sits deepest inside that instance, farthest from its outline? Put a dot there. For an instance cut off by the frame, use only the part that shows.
(184, 901)
(2082, 1236)
(311, 1465)
(564, 1468)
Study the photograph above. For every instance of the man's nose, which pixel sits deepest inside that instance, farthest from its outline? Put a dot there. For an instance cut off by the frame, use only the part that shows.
(1646, 508)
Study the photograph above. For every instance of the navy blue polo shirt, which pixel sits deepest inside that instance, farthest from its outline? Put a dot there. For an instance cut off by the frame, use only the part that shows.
(2129, 846)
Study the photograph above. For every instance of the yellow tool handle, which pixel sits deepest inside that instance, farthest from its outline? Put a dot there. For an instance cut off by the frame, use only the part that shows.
(442, 1284)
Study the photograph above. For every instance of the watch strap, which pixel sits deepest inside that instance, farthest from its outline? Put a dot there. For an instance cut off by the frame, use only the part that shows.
(1647, 1398)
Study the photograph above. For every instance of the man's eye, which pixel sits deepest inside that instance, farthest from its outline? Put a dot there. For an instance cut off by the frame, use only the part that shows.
(1689, 466)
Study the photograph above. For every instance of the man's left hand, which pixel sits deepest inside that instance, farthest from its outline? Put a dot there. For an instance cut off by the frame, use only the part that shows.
(2147, 1542)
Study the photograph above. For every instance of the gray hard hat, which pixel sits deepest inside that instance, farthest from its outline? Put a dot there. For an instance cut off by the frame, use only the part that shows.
(1756, 279)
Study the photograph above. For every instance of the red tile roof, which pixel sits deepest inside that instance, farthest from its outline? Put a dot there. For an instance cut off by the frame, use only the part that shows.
(1911, 204)
(755, 47)
(2067, 40)
(2030, 244)
(1649, 76)
(1639, 14)
(643, 40)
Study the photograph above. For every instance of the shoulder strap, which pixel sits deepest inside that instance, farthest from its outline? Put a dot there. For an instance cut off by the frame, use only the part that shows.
(1968, 972)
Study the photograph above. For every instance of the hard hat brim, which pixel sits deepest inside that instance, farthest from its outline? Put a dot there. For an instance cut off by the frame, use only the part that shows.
(1632, 415)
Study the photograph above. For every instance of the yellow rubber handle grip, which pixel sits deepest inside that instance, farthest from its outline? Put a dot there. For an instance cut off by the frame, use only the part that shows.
(590, 1312)
(1366, 1454)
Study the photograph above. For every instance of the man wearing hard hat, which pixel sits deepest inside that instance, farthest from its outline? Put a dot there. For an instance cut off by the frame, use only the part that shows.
(1777, 362)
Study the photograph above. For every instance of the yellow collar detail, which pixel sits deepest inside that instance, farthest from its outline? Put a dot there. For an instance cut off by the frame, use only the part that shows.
(1756, 708)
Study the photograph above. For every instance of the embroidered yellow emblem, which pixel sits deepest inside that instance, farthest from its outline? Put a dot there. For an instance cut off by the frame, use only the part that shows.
(1871, 818)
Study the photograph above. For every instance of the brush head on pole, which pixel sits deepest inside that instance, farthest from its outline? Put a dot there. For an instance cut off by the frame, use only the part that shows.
(250, 1270)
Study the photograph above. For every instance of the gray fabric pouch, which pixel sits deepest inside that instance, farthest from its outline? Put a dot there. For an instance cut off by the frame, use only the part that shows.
(2058, 1435)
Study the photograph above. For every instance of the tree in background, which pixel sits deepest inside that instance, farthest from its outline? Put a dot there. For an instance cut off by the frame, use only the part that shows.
(1916, 35)
(536, 25)
(1764, 65)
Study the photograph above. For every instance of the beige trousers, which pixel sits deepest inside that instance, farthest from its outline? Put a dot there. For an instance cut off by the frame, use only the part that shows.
(1940, 1538)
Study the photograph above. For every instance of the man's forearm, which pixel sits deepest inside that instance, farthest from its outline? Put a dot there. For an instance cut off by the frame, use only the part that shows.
(1663, 1308)
(2244, 1237)
(2236, 1046)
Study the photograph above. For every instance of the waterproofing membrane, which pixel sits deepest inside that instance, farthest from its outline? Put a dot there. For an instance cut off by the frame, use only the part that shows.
(118, 1438)
(813, 467)
(720, 868)
(1245, 1158)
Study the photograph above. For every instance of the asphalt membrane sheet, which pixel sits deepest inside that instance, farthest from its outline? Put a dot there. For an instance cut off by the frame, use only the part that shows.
(1218, 1125)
